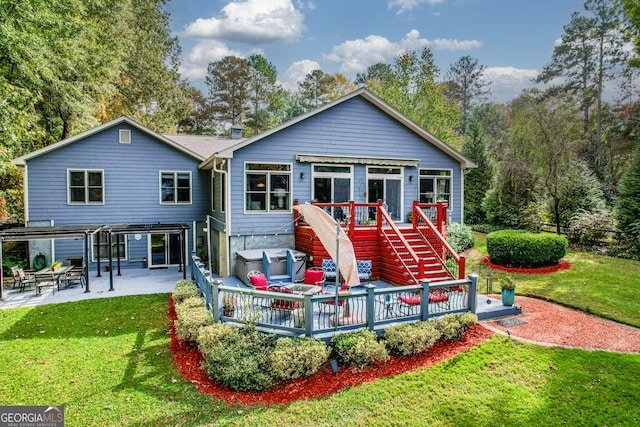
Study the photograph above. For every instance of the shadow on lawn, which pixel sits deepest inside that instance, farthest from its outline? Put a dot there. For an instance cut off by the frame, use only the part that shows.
(87, 318)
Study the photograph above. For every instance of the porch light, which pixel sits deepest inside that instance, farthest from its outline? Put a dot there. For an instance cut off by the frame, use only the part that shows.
(301, 175)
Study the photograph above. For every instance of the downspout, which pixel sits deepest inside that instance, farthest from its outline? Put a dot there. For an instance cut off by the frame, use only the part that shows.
(26, 194)
(227, 204)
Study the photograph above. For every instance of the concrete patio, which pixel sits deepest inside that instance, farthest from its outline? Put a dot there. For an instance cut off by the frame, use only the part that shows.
(135, 281)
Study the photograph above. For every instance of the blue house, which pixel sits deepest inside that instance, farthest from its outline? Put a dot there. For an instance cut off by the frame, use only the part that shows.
(236, 193)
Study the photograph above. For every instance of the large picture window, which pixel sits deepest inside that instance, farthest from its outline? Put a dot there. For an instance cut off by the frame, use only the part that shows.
(85, 186)
(103, 247)
(435, 186)
(175, 187)
(268, 187)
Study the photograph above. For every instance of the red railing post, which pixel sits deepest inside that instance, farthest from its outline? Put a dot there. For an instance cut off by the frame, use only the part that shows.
(379, 216)
(414, 214)
(461, 264)
(352, 219)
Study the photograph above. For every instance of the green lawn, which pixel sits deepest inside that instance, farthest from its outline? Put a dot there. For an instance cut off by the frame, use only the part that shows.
(107, 361)
(608, 287)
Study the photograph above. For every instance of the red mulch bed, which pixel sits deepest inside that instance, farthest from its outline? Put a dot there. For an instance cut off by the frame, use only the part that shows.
(189, 361)
(560, 266)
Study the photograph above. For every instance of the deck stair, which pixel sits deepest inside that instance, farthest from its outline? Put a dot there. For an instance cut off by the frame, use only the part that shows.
(402, 254)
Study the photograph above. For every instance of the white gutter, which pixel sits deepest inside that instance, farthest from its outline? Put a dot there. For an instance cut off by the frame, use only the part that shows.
(227, 203)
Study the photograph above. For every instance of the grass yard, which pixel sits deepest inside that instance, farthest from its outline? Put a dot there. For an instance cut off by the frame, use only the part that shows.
(607, 287)
(107, 361)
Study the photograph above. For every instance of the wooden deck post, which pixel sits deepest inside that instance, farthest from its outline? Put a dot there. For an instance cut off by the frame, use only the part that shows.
(473, 298)
(215, 294)
(370, 310)
(424, 300)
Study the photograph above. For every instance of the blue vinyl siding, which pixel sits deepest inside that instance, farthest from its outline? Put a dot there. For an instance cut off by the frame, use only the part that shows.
(131, 184)
(352, 128)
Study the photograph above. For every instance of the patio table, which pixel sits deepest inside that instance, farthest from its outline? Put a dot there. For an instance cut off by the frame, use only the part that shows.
(54, 277)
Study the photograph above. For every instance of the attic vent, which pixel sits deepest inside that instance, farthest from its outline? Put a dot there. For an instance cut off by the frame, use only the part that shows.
(125, 136)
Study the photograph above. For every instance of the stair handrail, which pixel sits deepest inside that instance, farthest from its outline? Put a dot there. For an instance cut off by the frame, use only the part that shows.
(383, 215)
(432, 233)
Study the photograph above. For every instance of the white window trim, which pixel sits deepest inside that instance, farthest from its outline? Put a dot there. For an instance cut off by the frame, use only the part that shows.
(121, 136)
(268, 210)
(384, 176)
(315, 175)
(86, 186)
(105, 260)
(451, 193)
(175, 200)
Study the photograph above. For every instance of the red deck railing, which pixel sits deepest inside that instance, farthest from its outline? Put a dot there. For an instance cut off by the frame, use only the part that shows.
(428, 220)
(434, 236)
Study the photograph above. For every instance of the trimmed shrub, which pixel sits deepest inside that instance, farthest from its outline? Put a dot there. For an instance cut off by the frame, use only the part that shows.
(297, 357)
(520, 248)
(450, 327)
(459, 237)
(411, 338)
(359, 348)
(467, 319)
(190, 303)
(185, 289)
(211, 336)
(242, 361)
(190, 320)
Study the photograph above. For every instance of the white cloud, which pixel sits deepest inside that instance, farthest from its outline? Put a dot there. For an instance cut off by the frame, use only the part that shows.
(297, 71)
(406, 5)
(252, 22)
(206, 51)
(508, 82)
(357, 55)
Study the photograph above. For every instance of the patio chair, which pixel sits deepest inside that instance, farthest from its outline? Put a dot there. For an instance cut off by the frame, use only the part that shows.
(409, 303)
(364, 271)
(314, 276)
(280, 305)
(23, 279)
(330, 270)
(74, 276)
(258, 280)
(333, 292)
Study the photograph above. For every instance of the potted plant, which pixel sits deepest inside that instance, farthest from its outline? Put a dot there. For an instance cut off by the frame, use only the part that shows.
(508, 287)
(228, 304)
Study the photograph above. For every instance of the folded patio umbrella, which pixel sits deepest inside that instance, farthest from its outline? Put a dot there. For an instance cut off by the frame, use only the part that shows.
(334, 240)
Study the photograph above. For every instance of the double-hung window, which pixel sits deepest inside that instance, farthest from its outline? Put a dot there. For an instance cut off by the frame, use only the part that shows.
(85, 186)
(268, 187)
(103, 247)
(175, 187)
(435, 186)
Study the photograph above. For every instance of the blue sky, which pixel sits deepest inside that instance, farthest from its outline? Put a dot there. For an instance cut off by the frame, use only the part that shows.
(514, 39)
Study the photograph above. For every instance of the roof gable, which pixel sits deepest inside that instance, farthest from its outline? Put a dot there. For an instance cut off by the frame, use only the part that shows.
(21, 161)
(371, 98)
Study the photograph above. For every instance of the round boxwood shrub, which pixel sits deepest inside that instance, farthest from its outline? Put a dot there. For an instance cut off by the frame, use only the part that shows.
(410, 338)
(521, 248)
(359, 348)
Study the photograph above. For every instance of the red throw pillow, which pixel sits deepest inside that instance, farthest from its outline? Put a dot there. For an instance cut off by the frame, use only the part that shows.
(259, 281)
(311, 277)
(410, 300)
(437, 297)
